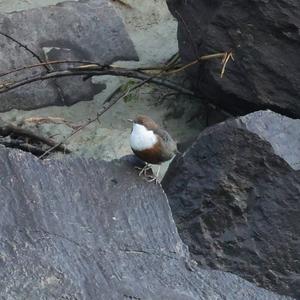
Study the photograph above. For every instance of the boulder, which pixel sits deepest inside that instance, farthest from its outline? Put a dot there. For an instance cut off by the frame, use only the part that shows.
(265, 39)
(235, 197)
(86, 229)
(85, 31)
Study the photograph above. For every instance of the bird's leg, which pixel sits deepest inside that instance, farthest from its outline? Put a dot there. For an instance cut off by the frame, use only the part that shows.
(143, 171)
(151, 178)
(158, 171)
(148, 177)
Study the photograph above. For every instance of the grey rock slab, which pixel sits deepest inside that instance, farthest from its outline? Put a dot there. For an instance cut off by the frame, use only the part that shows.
(87, 229)
(265, 39)
(236, 201)
(87, 31)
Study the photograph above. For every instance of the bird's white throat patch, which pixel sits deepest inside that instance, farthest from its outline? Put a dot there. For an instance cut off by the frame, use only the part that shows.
(141, 138)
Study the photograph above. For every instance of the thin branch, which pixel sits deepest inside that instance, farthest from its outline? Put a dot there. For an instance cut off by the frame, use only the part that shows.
(114, 93)
(123, 3)
(179, 67)
(158, 69)
(26, 48)
(54, 62)
(173, 60)
(19, 144)
(42, 120)
(225, 61)
(167, 95)
(201, 58)
(94, 72)
(7, 129)
(189, 34)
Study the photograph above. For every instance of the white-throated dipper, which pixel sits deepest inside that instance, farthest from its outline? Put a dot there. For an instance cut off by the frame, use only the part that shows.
(151, 143)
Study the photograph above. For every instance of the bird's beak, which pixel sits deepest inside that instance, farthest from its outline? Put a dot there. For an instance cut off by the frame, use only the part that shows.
(130, 120)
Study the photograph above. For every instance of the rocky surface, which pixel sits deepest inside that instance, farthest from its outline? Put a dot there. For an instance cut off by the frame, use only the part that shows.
(264, 36)
(236, 201)
(86, 31)
(86, 229)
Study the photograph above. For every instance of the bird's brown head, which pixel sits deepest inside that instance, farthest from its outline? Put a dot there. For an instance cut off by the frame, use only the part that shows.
(145, 121)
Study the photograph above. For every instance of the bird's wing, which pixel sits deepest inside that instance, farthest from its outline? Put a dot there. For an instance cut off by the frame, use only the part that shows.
(165, 136)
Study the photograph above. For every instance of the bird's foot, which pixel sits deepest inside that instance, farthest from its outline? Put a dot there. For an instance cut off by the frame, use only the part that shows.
(151, 178)
(143, 171)
(148, 177)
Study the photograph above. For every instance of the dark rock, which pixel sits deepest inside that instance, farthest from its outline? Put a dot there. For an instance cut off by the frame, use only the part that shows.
(85, 229)
(87, 31)
(265, 38)
(236, 203)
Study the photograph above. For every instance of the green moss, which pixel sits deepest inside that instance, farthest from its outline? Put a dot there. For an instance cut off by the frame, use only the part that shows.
(125, 88)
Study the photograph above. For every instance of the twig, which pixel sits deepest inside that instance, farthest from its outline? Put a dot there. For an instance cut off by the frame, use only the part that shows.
(110, 71)
(173, 60)
(43, 120)
(123, 3)
(117, 90)
(158, 69)
(9, 129)
(201, 58)
(189, 34)
(19, 144)
(55, 62)
(167, 95)
(178, 68)
(26, 48)
(225, 61)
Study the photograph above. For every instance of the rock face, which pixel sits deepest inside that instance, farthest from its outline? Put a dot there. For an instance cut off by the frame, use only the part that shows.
(236, 202)
(83, 229)
(86, 31)
(265, 39)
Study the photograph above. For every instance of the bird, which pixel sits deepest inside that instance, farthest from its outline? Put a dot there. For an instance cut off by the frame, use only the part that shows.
(151, 143)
